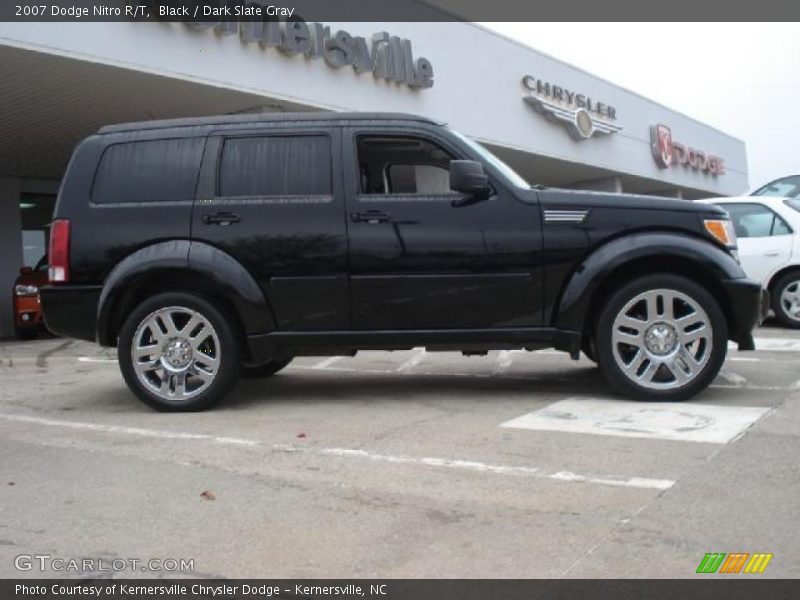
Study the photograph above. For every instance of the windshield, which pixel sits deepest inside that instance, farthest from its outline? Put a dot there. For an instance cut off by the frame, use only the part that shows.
(788, 187)
(490, 158)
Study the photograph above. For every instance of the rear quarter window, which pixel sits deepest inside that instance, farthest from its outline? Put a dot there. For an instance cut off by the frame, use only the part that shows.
(276, 166)
(148, 171)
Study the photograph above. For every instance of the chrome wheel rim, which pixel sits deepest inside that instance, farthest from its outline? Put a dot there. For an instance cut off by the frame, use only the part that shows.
(662, 339)
(790, 300)
(175, 353)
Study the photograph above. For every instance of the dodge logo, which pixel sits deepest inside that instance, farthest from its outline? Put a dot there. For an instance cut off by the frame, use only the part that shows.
(668, 153)
(661, 140)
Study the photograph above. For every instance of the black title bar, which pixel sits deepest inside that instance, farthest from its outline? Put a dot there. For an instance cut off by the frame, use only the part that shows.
(397, 10)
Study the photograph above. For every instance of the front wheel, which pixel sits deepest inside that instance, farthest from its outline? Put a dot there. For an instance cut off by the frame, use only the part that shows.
(786, 300)
(661, 337)
(179, 352)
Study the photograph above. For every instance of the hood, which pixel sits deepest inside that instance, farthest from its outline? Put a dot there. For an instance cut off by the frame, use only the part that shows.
(633, 201)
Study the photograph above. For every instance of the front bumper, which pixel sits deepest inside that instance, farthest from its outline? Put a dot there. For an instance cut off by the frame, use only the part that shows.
(27, 312)
(71, 310)
(748, 304)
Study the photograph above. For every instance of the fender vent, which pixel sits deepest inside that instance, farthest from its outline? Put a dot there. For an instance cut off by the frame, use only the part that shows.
(565, 216)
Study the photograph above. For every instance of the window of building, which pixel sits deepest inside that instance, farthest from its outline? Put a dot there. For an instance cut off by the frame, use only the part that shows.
(403, 165)
(276, 166)
(756, 220)
(150, 171)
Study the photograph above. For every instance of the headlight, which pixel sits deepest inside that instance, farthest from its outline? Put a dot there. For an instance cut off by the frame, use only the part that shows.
(721, 230)
(25, 290)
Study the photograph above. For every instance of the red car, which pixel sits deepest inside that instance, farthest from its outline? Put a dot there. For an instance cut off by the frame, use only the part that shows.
(27, 310)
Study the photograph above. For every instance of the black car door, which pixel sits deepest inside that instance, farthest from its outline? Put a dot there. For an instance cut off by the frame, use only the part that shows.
(417, 261)
(273, 200)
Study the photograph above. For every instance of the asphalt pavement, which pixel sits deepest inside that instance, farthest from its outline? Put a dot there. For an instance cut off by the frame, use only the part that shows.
(403, 464)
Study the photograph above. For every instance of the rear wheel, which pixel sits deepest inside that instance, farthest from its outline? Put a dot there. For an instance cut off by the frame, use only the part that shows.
(179, 352)
(266, 369)
(661, 337)
(786, 300)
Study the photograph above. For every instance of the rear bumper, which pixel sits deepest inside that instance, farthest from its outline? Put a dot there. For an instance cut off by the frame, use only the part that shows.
(71, 310)
(748, 304)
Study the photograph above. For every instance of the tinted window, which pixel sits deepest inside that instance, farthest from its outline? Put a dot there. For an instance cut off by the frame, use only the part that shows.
(419, 179)
(756, 220)
(276, 166)
(153, 171)
(403, 165)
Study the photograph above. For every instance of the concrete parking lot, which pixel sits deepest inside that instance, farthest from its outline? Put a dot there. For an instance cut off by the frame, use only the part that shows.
(405, 464)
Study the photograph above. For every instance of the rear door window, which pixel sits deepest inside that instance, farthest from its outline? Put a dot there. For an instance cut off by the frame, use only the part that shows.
(148, 171)
(276, 166)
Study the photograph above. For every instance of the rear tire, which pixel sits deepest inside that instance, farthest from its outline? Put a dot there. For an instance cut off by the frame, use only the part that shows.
(786, 300)
(266, 369)
(661, 337)
(179, 352)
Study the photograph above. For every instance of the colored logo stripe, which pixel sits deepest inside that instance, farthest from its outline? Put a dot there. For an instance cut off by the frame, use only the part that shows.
(758, 563)
(721, 562)
(734, 562)
(711, 562)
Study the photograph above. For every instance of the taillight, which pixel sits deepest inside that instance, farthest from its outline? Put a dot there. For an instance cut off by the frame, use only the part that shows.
(58, 256)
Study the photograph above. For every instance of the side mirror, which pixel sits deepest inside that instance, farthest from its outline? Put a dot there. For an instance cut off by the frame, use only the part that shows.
(468, 177)
(26, 271)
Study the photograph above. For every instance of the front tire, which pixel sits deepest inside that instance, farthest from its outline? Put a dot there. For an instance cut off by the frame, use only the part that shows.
(179, 352)
(786, 300)
(661, 337)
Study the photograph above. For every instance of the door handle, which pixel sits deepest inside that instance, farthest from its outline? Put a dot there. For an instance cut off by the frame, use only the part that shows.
(370, 217)
(221, 218)
(772, 253)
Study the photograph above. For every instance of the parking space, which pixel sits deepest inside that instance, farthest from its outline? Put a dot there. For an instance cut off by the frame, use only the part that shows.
(405, 464)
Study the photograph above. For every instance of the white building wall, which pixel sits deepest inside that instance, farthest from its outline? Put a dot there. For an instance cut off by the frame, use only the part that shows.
(477, 88)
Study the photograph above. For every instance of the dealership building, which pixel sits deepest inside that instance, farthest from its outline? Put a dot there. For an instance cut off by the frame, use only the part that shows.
(555, 124)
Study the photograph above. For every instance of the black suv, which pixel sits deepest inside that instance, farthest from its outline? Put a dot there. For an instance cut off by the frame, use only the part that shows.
(203, 248)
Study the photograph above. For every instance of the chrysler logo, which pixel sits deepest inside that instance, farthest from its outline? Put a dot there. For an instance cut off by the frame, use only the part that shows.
(579, 114)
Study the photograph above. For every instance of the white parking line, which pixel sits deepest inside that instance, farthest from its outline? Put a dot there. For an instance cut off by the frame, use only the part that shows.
(92, 359)
(678, 421)
(324, 364)
(137, 431)
(437, 462)
(504, 361)
(412, 362)
(636, 482)
(733, 378)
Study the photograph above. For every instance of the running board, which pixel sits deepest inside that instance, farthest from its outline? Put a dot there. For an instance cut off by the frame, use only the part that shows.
(347, 343)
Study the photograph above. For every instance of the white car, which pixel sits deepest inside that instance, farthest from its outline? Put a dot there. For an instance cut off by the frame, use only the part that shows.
(768, 232)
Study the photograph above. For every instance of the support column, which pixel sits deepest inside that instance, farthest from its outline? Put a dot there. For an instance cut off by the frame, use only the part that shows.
(10, 250)
(672, 193)
(603, 184)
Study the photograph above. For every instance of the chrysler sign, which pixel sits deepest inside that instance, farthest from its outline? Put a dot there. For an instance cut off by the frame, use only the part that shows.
(582, 116)
(667, 153)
